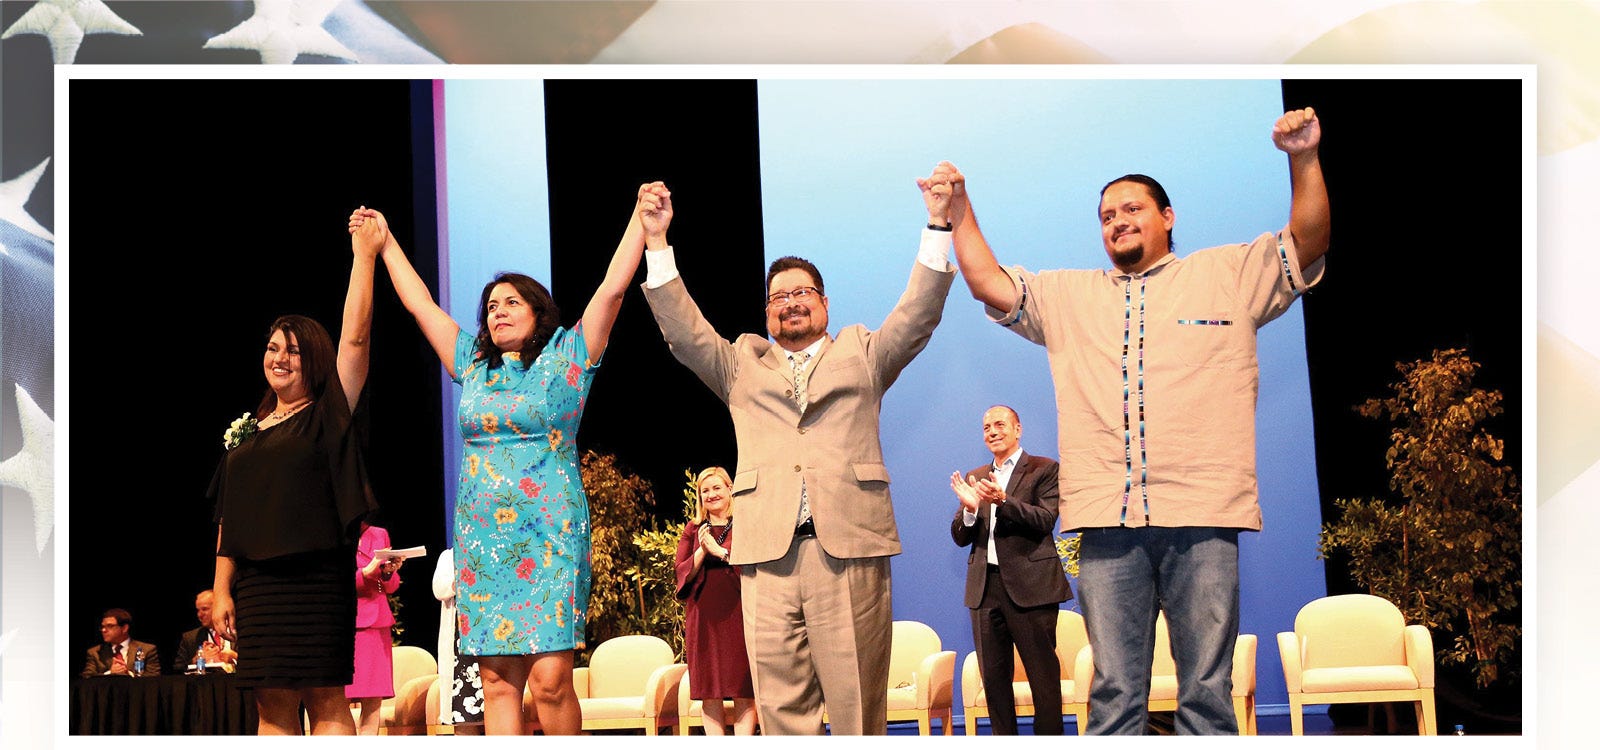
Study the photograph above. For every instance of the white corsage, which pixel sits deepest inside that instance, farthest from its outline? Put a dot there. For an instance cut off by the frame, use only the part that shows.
(243, 427)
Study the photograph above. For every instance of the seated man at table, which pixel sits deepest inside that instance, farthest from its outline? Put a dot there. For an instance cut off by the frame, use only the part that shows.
(203, 641)
(118, 654)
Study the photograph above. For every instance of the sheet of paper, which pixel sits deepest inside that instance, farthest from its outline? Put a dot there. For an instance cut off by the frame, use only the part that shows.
(403, 554)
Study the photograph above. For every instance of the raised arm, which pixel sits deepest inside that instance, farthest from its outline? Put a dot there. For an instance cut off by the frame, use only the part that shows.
(907, 329)
(988, 283)
(689, 336)
(355, 337)
(1298, 134)
(601, 313)
(437, 326)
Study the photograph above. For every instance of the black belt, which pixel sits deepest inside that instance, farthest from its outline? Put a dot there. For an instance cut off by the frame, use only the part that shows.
(809, 528)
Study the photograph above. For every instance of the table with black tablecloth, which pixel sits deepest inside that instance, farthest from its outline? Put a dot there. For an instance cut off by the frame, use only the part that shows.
(212, 703)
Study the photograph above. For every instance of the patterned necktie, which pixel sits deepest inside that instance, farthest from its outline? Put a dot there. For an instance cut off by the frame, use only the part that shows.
(797, 361)
(116, 655)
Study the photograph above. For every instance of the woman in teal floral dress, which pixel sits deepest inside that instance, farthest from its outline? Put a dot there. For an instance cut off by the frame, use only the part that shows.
(522, 520)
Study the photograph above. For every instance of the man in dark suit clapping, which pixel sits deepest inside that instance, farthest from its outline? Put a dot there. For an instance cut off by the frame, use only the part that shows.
(1014, 579)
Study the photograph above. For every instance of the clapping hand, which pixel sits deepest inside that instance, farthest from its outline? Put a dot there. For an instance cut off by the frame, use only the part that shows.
(709, 543)
(967, 490)
(990, 490)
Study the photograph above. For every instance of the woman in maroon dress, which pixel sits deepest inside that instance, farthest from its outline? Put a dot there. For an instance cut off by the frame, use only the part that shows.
(713, 636)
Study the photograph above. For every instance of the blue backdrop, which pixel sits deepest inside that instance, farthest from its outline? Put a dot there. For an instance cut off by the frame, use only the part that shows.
(838, 163)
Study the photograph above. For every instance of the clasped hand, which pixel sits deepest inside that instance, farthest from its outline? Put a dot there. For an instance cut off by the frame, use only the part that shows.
(709, 543)
(944, 191)
(655, 211)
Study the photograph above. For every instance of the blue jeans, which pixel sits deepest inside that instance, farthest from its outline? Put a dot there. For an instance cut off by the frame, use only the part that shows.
(1127, 575)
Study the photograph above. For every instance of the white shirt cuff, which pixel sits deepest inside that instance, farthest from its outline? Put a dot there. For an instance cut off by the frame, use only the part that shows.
(968, 518)
(660, 267)
(935, 250)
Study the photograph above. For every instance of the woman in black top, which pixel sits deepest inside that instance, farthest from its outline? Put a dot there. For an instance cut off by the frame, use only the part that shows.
(290, 498)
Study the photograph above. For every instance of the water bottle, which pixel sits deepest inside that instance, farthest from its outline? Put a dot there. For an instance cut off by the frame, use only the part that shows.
(199, 664)
(138, 663)
(1461, 730)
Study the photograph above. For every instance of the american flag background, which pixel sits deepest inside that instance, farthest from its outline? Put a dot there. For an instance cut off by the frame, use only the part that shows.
(37, 34)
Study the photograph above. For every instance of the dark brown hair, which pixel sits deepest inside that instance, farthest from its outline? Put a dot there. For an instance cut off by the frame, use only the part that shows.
(1156, 191)
(318, 363)
(546, 317)
(789, 261)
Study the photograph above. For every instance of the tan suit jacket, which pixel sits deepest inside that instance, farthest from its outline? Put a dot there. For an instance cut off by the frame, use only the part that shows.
(834, 447)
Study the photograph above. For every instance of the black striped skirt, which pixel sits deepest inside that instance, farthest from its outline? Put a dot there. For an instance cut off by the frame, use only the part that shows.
(296, 619)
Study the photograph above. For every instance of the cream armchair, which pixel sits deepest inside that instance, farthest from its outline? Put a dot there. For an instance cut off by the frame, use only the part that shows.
(410, 662)
(691, 712)
(1072, 649)
(1356, 648)
(412, 714)
(1164, 677)
(922, 677)
(631, 683)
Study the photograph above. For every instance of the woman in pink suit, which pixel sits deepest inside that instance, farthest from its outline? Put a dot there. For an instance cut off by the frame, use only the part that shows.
(375, 578)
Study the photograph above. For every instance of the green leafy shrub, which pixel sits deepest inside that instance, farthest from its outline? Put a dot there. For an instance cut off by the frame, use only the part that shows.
(1448, 550)
(635, 583)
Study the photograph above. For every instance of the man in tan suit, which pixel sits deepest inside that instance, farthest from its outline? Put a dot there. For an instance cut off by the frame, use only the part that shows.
(118, 654)
(816, 526)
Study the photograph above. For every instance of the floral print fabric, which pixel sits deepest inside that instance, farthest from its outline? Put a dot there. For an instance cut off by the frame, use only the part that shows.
(521, 518)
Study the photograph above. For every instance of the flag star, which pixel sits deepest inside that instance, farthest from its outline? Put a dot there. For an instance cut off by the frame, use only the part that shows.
(66, 22)
(32, 469)
(282, 30)
(16, 192)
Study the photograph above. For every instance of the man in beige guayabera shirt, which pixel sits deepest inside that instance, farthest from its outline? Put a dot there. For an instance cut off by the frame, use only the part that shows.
(1154, 364)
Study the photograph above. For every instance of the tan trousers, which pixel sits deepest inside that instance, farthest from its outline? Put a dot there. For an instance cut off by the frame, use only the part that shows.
(818, 629)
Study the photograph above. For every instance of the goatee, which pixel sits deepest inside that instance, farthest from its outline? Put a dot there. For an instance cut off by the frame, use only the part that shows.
(1125, 259)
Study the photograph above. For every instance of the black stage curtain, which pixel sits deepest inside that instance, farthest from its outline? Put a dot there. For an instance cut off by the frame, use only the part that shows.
(604, 139)
(202, 210)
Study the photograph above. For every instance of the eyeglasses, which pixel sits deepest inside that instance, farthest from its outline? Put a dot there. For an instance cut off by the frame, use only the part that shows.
(801, 294)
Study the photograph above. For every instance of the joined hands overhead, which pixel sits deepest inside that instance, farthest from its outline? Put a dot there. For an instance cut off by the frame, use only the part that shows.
(655, 213)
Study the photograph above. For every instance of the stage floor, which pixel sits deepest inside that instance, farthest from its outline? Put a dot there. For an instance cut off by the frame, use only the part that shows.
(1315, 724)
